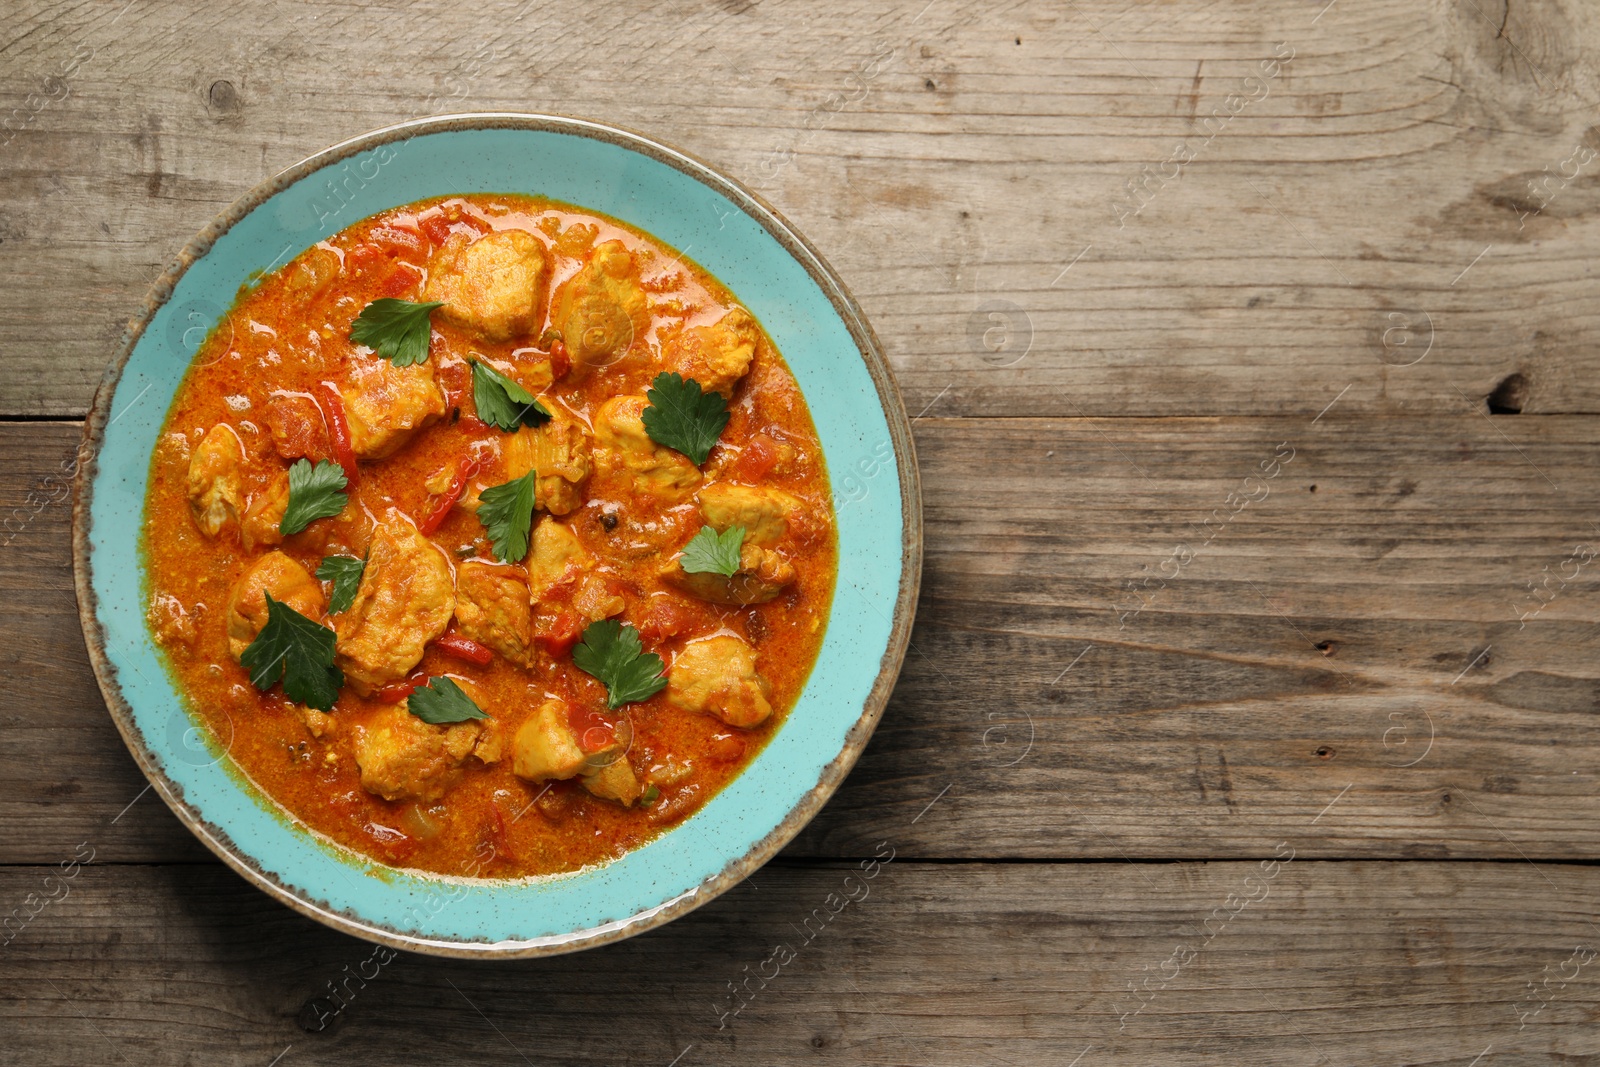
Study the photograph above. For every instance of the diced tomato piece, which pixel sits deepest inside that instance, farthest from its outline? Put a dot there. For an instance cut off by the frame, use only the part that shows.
(435, 227)
(560, 359)
(594, 730)
(556, 632)
(562, 588)
(726, 747)
(399, 282)
(394, 844)
(394, 241)
(464, 648)
(348, 803)
(456, 381)
(344, 452)
(298, 428)
(365, 258)
(665, 617)
(759, 455)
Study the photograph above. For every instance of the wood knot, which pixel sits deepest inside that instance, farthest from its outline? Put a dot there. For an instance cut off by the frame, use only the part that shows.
(316, 1015)
(1510, 396)
(223, 97)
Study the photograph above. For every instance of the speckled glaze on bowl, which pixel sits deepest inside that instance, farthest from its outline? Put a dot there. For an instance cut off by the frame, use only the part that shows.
(865, 436)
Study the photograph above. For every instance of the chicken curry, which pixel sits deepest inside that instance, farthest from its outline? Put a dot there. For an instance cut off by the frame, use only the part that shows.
(489, 527)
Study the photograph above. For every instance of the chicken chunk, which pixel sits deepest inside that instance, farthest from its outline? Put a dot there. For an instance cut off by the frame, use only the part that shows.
(260, 525)
(546, 746)
(287, 581)
(761, 576)
(405, 600)
(319, 724)
(559, 557)
(493, 608)
(403, 758)
(765, 513)
(718, 355)
(597, 598)
(601, 309)
(216, 469)
(385, 404)
(493, 285)
(623, 446)
(615, 781)
(556, 552)
(717, 675)
(559, 452)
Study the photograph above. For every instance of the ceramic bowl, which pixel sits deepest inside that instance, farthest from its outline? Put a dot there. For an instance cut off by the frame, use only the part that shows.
(865, 436)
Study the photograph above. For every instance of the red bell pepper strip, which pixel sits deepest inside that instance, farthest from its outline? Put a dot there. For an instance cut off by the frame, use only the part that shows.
(441, 508)
(464, 648)
(339, 432)
(395, 692)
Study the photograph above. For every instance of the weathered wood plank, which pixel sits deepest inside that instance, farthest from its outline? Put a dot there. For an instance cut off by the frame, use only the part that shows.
(1413, 175)
(1417, 963)
(1042, 715)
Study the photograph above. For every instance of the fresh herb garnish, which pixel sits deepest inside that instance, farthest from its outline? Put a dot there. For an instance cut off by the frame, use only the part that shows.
(398, 330)
(314, 493)
(442, 701)
(684, 417)
(345, 574)
(709, 552)
(506, 512)
(502, 403)
(611, 652)
(297, 650)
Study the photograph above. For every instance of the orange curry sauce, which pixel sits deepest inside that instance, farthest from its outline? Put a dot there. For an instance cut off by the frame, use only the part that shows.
(280, 370)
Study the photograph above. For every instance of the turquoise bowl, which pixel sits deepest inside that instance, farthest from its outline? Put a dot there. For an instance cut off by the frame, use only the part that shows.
(865, 436)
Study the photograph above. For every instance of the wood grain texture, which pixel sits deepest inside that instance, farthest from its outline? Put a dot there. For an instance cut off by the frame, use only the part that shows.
(1122, 283)
(1353, 640)
(1416, 178)
(1417, 963)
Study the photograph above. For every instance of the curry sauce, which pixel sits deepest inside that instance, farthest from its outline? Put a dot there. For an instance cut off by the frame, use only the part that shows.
(583, 314)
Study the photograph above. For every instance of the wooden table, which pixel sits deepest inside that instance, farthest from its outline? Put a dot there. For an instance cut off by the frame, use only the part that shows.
(1251, 716)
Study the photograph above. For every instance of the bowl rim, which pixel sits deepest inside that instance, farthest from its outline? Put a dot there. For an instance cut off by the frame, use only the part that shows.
(861, 333)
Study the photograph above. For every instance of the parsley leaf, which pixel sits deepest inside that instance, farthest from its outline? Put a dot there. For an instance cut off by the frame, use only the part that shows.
(683, 417)
(506, 512)
(442, 701)
(709, 552)
(612, 653)
(501, 402)
(397, 330)
(314, 493)
(345, 574)
(297, 650)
